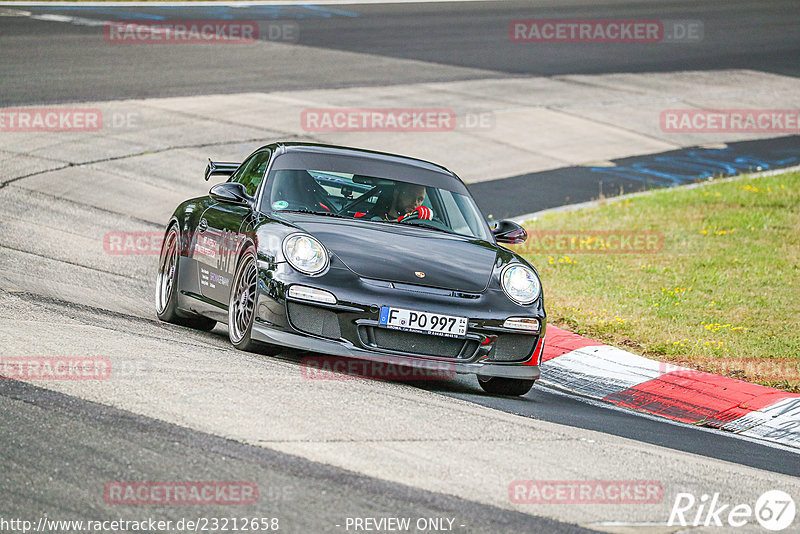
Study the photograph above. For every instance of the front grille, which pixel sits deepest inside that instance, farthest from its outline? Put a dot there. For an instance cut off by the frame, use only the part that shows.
(313, 320)
(422, 344)
(512, 347)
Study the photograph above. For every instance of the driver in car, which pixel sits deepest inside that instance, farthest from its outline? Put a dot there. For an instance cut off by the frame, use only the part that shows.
(406, 203)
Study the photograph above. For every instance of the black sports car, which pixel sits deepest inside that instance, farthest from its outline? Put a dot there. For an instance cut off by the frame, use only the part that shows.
(355, 254)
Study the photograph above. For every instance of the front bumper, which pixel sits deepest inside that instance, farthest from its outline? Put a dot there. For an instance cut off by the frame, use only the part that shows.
(347, 349)
(349, 328)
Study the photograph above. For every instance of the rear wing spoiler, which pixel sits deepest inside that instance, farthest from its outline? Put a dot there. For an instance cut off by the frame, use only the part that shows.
(220, 168)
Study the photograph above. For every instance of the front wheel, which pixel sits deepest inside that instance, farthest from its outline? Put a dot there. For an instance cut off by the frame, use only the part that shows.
(505, 386)
(242, 305)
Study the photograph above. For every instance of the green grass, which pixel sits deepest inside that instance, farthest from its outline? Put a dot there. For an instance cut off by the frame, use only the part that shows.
(722, 295)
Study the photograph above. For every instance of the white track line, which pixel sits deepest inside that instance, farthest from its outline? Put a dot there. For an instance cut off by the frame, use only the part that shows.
(554, 389)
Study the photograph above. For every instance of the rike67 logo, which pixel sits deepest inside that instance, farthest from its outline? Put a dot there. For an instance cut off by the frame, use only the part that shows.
(774, 510)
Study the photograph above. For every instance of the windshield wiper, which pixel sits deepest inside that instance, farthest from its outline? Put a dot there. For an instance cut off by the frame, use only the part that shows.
(423, 226)
(325, 213)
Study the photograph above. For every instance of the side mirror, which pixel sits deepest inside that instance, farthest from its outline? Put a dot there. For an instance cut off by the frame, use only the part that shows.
(509, 232)
(232, 193)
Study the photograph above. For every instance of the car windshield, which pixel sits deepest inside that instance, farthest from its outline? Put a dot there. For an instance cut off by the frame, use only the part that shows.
(374, 199)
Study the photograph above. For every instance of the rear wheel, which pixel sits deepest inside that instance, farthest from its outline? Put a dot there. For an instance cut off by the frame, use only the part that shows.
(505, 386)
(167, 286)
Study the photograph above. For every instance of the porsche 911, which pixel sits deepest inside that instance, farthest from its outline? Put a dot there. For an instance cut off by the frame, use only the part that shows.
(356, 254)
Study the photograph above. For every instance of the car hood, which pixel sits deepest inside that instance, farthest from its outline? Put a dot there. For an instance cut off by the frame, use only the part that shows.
(396, 253)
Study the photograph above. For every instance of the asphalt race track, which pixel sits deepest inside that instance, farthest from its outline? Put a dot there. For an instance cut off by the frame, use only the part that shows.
(288, 486)
(450, 42)
(186, 406)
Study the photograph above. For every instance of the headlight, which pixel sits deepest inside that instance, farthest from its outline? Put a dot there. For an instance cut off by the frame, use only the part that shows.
(305, 254)
(521, 284)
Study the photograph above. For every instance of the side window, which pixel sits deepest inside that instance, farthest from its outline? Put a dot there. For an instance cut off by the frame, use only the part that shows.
(456, 214)
(253, 172)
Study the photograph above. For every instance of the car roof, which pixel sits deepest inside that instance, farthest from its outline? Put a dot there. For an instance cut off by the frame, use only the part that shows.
(318, 148)
(374, 163)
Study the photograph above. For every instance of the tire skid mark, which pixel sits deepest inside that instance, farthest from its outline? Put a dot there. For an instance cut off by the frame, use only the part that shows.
(74, 264)
(74, 310)
(107, 211)
(134, 155)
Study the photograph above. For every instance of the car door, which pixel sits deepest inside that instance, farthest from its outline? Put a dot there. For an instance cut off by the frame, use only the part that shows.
(219, 232)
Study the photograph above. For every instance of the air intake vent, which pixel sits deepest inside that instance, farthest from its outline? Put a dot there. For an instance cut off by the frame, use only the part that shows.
(421, 344)
(512, 347)
(313, 320)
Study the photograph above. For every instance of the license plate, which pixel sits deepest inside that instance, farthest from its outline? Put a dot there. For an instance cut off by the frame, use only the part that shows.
(423, 322)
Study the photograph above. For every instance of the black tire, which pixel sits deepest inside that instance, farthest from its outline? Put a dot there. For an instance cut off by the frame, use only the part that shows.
(505, 386)
(241, 306)
(167, 286)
